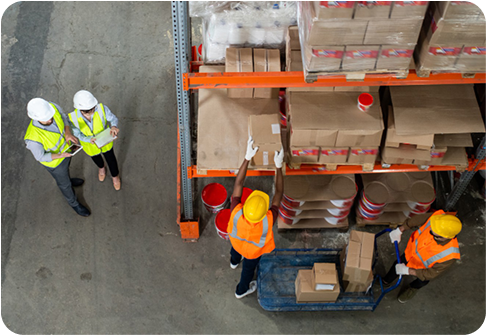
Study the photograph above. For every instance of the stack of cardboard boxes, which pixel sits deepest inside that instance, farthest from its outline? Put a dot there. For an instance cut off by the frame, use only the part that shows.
(398, 196)
(453, 38)
(357, 262)
(431, 125)
(321, 201)
(359, 35)
(328, 128)
(320, 284)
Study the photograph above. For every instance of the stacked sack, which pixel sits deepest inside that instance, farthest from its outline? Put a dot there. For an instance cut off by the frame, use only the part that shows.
(453, 38)
(317, 201)
(393, 197)
(359, 35)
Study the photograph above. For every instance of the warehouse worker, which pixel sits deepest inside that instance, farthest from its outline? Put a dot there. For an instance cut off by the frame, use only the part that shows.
(47, 138)
(431, 250)
(89, 119)
(250, 225)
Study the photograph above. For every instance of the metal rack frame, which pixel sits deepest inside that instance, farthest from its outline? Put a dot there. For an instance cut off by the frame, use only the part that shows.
(186, 81)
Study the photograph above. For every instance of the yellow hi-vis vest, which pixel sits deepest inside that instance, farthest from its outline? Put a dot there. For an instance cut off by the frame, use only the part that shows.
(99, 124)
(52, 142)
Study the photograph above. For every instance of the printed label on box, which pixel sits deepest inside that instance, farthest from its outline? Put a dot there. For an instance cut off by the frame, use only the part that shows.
(434, 154)
(433, 25)
(358, 152)
(455, 3)
(362, 54)
(327, 53)
(265, 158)
(275, 128)
(305, 152)
(410, 3)
(373, 3)
(407, 53)
(336, 4)
(474, 50)
(444, 51)
(335, 152)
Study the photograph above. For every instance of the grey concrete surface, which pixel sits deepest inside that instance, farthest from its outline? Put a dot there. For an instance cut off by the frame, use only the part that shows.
(125, 268)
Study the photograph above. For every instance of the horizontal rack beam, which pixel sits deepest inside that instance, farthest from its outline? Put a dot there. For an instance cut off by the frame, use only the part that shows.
(341, 169)
(296, 79)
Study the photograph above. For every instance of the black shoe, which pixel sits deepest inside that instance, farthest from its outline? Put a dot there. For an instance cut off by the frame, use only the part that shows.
(77, 182)
(81, 210)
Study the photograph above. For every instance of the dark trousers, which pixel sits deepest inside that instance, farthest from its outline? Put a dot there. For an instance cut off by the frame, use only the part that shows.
(392, 275)
(61, 175)
(247, 273)
(110, 159)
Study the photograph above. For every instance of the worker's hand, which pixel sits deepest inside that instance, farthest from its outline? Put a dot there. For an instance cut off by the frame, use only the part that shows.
(402, 269)
(114, 131)
(92, 140)
(279, 158)
(396, 235)
(250, 151)
(71, 137)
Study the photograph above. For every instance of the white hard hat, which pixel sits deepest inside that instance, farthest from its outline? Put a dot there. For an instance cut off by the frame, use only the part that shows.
(84, 100)
(40, 110)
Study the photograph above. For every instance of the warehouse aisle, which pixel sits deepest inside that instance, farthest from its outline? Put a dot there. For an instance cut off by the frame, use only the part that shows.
(125, 269)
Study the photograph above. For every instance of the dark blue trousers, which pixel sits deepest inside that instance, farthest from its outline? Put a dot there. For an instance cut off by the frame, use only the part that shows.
(247, 273)
(392, 275)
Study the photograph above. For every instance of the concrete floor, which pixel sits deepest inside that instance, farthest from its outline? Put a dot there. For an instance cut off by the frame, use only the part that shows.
(125, 268)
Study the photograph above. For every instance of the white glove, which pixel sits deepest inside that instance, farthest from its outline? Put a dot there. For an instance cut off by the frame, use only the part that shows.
(401, 269)
(279, 158)
(396, 235)
(250, 152)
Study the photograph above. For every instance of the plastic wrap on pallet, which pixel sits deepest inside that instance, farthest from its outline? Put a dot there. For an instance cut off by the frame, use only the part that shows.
(244, 24)
(459, 10)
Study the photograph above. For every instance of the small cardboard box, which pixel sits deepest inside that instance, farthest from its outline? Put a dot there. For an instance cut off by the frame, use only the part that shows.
(358, 287)
(472, 59)
(304, 155)
(333, 9)
(372, 9)
(294, 61)
(357, 260)
(293, 41)
(323, 58)
(324, 276)
(305, 293)
(404, 154)
(395, 57)
(239, 60)
(265, 131)
(266, 60)
(333, 155)
(360, 57)
(453, 140)
(408, 9)
(422, 142)
(337, 32)
(386, 31)
(362, 155)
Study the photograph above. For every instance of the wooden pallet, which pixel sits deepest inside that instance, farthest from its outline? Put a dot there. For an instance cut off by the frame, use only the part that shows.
(386, 219)
(311, 77)
(333, 166)
(313, 224)
(425, 73)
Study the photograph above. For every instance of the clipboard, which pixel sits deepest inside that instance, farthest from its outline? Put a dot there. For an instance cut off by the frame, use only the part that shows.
(104, 138)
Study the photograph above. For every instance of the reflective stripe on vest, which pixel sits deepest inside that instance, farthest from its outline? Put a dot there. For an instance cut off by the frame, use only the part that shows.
(99, 124)
(53, 142)
(234, 232)
(439, 256)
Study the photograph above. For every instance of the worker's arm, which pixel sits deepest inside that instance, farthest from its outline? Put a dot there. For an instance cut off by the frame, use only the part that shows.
(68, 135)
(240, 179)
(414, 221)
(431, 273)
(279, 183)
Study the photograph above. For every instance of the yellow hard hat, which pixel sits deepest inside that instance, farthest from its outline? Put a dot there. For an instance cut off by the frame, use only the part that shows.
(445, 225)
(256, 206)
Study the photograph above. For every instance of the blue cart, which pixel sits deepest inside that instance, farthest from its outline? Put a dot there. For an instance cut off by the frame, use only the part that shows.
(278, 270)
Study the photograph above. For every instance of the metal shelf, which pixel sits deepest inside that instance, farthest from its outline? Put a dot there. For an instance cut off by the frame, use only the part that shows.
(194, 81)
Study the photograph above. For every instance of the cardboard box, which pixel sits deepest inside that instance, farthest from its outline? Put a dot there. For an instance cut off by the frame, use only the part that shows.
(458, 10)
(472, 59)
(440, 109)
(239, 60)
(395, 57)
(293, 41)
(436, 57)
(333, 155)
(294, 61)
(305, 293)
(422, 142)
(323, 119)
(453, 140)
(436, 156)
(455, 156)
(360, 57)
(325, 10)
(362, 155)
(320, 187)
(358, 287)
(372, 9)
(408, 9)
(386, 31)
(404, 154)
(323, 58)
(265, 131)
(324, 276)
(337, 32)
(304, 155)
(266, 60)
(358, 257)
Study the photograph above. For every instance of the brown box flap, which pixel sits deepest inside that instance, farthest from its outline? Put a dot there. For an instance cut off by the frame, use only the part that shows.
(394, 140)
(453, 140)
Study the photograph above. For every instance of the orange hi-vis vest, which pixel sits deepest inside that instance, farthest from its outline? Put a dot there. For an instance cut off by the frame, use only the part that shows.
(251, 240)
(423, 251)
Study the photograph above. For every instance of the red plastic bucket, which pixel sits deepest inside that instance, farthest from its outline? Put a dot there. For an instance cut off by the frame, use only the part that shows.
(289, 210)
(365, 101)
(286, 218)
(339, 211)
(292, 202)
(334, 220)
(367, 213)
(221, 223)
(214, 197)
